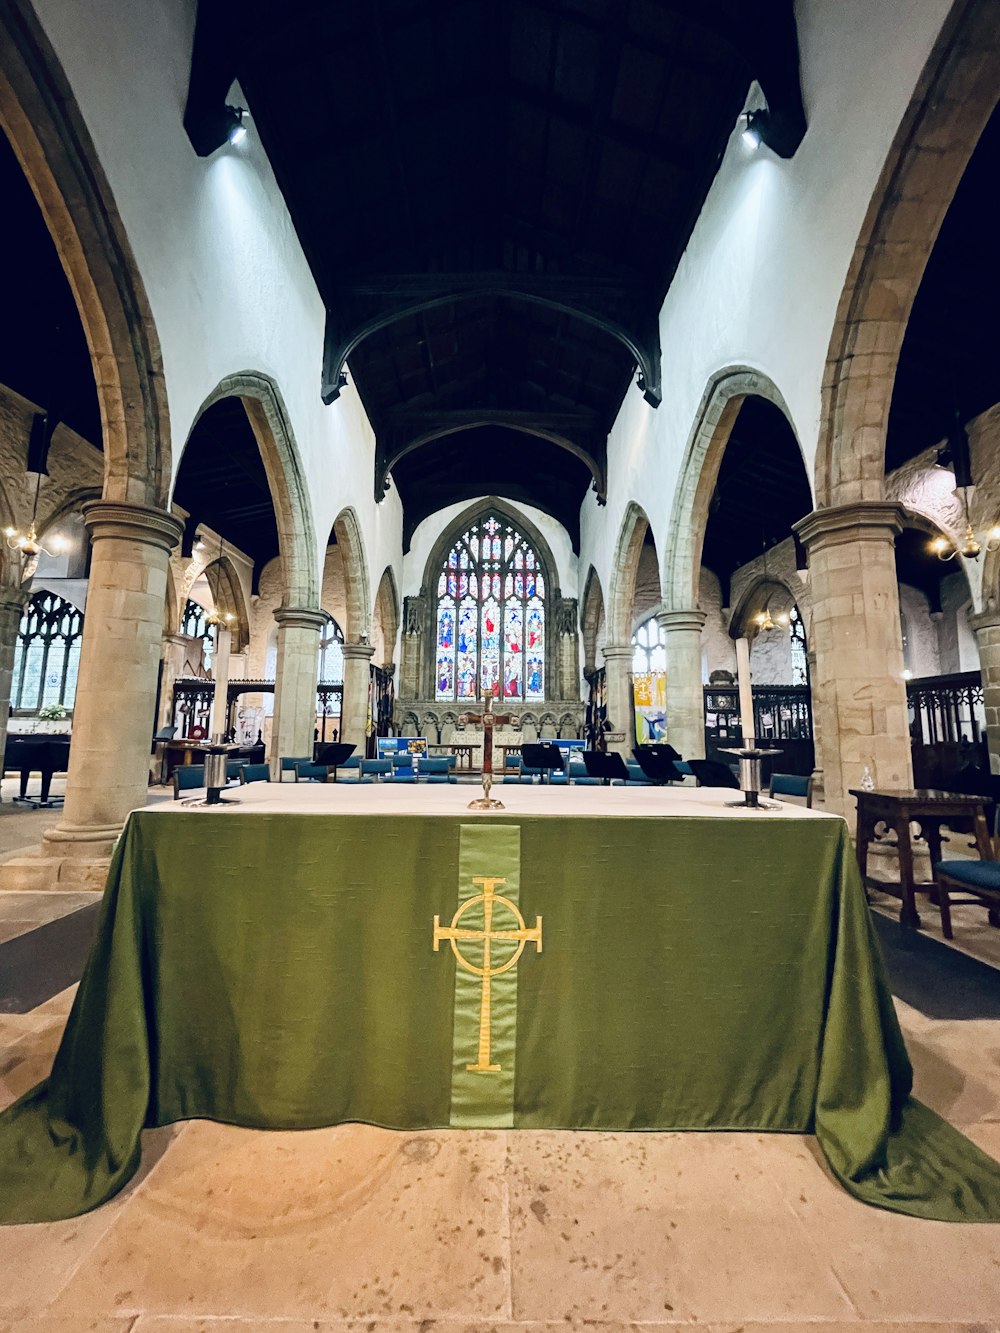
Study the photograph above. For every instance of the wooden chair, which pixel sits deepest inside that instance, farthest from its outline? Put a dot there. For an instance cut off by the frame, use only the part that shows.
(980, 880)
(792, 784)
(188, 777)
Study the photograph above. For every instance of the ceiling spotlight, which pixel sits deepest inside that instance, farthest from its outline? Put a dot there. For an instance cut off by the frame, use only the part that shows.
(753, 122)
(237, 130)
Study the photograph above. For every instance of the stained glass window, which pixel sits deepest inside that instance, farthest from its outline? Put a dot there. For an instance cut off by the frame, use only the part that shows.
(47, 655)
(490, 625)
(800, 663)
(195, 626)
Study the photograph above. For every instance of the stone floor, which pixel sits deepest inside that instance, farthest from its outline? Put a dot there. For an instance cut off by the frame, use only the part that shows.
(359, 1230)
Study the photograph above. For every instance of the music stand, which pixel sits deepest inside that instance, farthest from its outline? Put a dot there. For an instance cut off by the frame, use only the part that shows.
(608, 767)
(657, 762)
(331, 756)
(548, 758)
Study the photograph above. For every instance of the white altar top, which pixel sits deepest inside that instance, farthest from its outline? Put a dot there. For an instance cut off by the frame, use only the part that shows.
(452, 799)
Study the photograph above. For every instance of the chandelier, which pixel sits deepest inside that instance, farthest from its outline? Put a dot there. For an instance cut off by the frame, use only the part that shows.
(28, 545)
(957, 456)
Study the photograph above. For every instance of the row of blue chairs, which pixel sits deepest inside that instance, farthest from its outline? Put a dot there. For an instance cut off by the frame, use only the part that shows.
(191, 777)
(398, 768)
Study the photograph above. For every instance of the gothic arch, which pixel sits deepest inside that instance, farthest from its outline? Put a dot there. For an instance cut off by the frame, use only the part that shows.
(439, 554)
(356, 582)
(752, 602)
(950, 106)
(227, 591)
(624, 569)
(387, 613)
(699, 471)
(286, 480)
(591, 618)
(40, 117)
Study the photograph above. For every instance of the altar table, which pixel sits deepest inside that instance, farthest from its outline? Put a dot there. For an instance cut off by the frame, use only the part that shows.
(293, 961)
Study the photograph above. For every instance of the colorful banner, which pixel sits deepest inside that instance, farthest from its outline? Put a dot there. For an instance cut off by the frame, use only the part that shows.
(650, 692)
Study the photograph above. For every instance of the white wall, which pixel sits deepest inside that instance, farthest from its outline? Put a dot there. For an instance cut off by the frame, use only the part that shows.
(760, 280)
(227, 281)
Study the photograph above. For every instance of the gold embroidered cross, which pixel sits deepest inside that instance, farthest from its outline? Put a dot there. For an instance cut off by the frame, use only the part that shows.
(522, 934)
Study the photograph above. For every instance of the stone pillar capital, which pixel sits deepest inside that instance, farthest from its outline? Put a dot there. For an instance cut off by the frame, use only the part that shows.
(677, 621)
(132, 522)
(618, 652)
(983, 620)
(870, 520)
(356, 652)
(300, 617)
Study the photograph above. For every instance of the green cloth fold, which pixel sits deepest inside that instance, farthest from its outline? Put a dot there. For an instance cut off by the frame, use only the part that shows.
(278, 970)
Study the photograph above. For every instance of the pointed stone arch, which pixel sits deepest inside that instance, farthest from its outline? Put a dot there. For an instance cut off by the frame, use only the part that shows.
(228, 594)
(624, 569)
(954, 98)
(386, 614)
(40, 117)
(439, 554)
(347, 531)
(592, 618)
(286, 480)
(752, 602)
(720, 404)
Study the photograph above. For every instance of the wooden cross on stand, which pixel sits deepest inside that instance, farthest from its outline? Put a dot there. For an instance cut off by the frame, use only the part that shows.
(489, 719)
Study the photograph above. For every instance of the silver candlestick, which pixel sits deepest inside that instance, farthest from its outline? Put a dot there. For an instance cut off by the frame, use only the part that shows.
(750, 783)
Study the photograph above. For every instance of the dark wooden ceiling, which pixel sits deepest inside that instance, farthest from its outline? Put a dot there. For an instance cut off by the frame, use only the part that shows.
(221, 482)
(761, 490)
(950, 359)
(493, 198)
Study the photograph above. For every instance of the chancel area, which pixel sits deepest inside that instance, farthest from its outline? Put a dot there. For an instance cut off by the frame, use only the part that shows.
(499, 665)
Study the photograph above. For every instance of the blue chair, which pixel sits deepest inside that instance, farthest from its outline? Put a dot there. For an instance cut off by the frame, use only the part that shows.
(401, 759)
(353, 764)
(980, 880)
(255, 773)
(188, 777)
(233, 768)
(683, 768)
(307, 771)
(636, 777)
(374, 770)
(289, 765)
(792, 784)
(438, 768)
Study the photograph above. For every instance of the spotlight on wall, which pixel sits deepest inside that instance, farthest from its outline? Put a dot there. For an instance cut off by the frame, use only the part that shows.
(753, 124)
(237, 130)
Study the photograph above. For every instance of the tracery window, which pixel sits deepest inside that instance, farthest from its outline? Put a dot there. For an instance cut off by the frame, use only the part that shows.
(797, 635)
(47, 655)
(331, 653)
(648, 652)
(490, 621)
(195, 626)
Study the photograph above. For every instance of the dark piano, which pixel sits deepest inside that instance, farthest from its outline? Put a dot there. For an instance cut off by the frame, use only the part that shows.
(37, 754)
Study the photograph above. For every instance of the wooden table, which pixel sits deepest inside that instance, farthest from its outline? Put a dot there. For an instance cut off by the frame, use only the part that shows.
(897, 810)
(462, 752)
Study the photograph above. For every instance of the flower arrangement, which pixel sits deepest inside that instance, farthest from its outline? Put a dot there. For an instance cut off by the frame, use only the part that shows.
(53, 713)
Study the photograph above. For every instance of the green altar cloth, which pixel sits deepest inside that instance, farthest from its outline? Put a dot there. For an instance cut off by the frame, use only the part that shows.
(278, 970)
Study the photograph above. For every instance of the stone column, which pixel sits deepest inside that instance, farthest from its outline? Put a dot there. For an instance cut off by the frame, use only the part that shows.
(861, 704)
(412, 643)
(570, 679)
(986, 626)
(174, 646)
(116, 686)
(12, 603)
(296, 675)
(685, 691)
(354, 714)
(621, 714)
(220, 675)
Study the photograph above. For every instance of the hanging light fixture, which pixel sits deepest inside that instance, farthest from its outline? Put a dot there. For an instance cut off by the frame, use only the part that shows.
(28, 544)
(764, 620)
(217, 618)
(957, 456)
